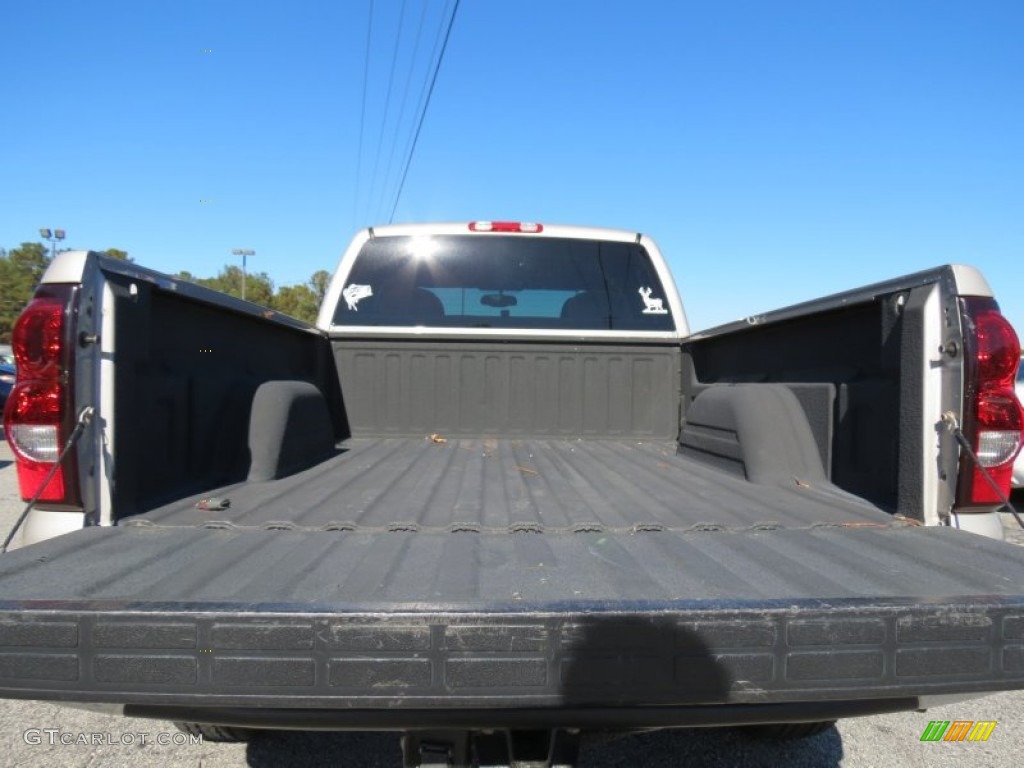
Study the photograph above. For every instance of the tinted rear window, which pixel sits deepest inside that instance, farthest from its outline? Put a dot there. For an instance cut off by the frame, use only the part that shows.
(466, 281)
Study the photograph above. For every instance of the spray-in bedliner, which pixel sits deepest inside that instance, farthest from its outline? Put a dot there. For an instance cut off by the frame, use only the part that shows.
(434, 484)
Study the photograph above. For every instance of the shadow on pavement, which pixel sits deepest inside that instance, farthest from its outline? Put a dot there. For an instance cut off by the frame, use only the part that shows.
(595, 663)
(664, 749)
(712, 747)
(298, 749)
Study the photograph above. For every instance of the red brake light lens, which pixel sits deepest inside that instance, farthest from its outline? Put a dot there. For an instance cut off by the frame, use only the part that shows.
(33, 402)
(998, 348)
(37, 338)
(31, 475)
(38, 416)
(992, 417)
(505, 226)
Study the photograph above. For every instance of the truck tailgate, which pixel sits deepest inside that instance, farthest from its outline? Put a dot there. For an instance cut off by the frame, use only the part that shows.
(302, 619)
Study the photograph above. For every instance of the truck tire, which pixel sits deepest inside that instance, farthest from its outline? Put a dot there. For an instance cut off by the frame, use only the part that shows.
(787, 731)
(219, 733)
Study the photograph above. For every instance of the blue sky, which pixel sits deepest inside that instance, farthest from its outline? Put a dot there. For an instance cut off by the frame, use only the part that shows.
(776, 151)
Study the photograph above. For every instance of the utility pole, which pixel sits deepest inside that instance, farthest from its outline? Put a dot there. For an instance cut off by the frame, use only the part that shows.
(244, 253)
(53, 236)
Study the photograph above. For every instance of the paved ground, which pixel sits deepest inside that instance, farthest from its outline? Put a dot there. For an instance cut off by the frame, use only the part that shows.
(31, 733)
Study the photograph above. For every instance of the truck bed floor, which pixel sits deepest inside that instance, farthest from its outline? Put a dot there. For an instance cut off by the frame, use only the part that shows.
(507, 486)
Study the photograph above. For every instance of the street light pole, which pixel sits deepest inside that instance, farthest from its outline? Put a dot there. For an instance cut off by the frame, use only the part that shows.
(53, 236)
(243, 252)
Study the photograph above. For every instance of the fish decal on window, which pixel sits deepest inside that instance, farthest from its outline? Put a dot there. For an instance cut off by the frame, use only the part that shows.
(355, 293)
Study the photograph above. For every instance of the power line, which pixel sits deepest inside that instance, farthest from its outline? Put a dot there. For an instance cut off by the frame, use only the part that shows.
(362, 119)
(423, 114)
(387, 107)
(401, 111)
(430, 64)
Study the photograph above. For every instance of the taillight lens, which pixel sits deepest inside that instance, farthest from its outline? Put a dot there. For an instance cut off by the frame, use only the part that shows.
(998, 346)
(999, 428)
(993, 420)
(37, 340)
(39, 414)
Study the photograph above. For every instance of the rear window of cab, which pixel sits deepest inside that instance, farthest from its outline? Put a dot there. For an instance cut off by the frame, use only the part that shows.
(497, 281)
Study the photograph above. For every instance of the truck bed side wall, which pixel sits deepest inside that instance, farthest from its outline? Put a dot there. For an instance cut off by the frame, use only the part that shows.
(845, 367)
(185, 380)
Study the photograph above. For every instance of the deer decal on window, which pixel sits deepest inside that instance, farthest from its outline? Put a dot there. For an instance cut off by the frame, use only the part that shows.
(652, 306)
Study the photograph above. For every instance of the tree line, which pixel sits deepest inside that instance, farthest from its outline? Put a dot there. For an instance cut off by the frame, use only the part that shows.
(301, 301)
(22, 268)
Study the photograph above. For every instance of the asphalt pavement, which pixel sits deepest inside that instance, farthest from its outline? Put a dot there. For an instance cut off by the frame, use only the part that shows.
(43, 734)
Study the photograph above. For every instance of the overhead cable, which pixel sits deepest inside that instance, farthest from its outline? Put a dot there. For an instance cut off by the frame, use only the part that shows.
(387, 108)
(381, 202)
(362, 120)
(423, 113)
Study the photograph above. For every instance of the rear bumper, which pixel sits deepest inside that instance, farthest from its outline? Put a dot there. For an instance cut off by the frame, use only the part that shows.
(583, 718)
(621, 656)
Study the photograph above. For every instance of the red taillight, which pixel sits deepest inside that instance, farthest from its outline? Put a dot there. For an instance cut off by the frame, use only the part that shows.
(37, 338)
(39, 415)
(998, 347)
(505, 226)
(993, 419)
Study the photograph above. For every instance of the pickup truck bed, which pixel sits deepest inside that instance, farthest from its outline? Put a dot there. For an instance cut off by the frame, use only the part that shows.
(522, 485)
(491, 575)
(606, 531)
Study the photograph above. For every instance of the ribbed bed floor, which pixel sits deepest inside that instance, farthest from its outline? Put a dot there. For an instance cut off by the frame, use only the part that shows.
(497, 486)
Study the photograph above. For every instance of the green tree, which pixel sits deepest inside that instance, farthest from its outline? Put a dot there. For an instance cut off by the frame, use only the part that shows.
(30, 260)
(299, 301)
(259, 288)
(319, 282)
(20, 272)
